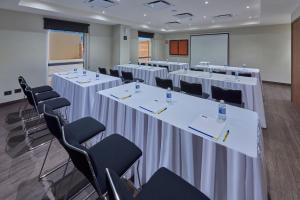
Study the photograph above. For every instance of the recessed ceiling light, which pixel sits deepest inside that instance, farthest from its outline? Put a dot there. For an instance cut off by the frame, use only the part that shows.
(145, 15)
(204, 17)
(250, 17)
(247, 7)
(206, 2)
(103, 12)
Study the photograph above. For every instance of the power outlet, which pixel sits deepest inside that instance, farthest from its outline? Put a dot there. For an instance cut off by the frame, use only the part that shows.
(6, 93)
(18, 91)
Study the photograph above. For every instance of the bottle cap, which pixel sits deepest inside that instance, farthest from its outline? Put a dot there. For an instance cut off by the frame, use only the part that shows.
(222, 101)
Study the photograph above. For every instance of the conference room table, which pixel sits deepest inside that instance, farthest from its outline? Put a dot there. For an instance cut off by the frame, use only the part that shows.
(250, 86)
(224, 169)
(81, 89)
(146, 73)
(173, 66)
(229, 69)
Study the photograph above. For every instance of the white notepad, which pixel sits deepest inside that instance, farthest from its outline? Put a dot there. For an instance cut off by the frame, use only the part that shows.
(83, 81)
(121, 94)
(208, 126)
(71, 77)
(155, 107)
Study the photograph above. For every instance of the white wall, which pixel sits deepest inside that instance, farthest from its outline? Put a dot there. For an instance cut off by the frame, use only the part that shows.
(23, 47)
(23, 50)
(100, 46)
(264, 47)
(296, 13)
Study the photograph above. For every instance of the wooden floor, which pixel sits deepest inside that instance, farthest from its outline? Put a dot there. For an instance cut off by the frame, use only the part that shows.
(19, 167)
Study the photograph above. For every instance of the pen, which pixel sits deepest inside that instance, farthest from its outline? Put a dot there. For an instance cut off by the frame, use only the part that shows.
(226, 135)
(162, 110)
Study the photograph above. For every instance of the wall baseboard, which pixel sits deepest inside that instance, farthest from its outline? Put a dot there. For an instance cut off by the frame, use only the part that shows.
(12, 102)
(277, 83)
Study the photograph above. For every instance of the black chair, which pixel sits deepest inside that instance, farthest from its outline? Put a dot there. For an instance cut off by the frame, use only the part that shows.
(218, 72)
(40, 89)
(143, 64)
(128, 77)
(242, 74)
(197, 69)
(233, 97)
(114, 152)
(163, 185)
(194, 89)
(102, 70)
(164, 83)
(114, 73)
(164, 66)
(83, 129)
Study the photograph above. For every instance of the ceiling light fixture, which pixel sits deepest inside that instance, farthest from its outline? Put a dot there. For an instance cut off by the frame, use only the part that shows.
(204, 17)
(247, 7)
(145, 15)
(103, 12)
(206, 2)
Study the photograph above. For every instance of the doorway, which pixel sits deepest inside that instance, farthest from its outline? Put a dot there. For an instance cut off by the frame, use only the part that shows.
(144, 49)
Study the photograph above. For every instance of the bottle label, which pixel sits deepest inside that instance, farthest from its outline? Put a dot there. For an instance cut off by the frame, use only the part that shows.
(137, 86)
(169, 95)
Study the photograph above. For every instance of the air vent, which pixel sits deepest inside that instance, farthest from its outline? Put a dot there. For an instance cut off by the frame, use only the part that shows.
(100, 3)
(223, 17)
(183, 15)
(158, 5)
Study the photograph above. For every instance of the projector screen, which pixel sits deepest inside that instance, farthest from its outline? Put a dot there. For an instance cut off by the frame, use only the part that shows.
(211, 48)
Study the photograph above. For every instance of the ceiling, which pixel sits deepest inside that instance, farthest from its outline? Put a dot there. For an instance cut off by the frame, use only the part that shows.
(205, 14)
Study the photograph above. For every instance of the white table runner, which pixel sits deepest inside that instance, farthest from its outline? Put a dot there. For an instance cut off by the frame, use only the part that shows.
(173, 66)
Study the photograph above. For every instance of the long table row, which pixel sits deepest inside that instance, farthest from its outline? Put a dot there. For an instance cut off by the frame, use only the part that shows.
(232, 169)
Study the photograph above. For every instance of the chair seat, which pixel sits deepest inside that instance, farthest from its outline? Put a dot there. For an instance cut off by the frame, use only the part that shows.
(54, 104)
(111, 153)
(85, 128)
(41, 89)
(46, 95)
(166, 185)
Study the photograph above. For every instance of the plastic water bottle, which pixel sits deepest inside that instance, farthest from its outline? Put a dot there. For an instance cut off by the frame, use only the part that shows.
(137, 86)
(84, 73)
(169, 95)
(97, 76)
(236, 75)
(222, 111)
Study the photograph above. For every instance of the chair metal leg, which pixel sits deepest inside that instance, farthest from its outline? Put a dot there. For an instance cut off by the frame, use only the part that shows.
(138, 174)
(45, 158)
(66, 168)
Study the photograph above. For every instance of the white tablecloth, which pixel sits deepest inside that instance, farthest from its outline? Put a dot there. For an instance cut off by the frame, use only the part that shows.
(147, 73)
(254, 71)
(230, 170)
(173, 66)
(251, 88)
(81, 95)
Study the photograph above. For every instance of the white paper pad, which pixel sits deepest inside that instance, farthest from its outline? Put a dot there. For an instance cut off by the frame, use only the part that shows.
(83, 81)
(208, 126)
(71, 77)
(122, 95)
(155, 107)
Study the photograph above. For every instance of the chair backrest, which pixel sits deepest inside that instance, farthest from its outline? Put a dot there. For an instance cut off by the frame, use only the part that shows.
(127, 75)
(80, 157)
(230, 96)
(243, 74)
(143, 63)
(164, 83)
(54, 123)
(102, 70)
(114, 73)
(117, 189)
(219, 72)
(30, 97)
(191, 88)
(164, 66)
(197, 69)
(21, 79)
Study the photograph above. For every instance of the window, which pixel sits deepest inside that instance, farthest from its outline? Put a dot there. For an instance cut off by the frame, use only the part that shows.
(144, 49)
